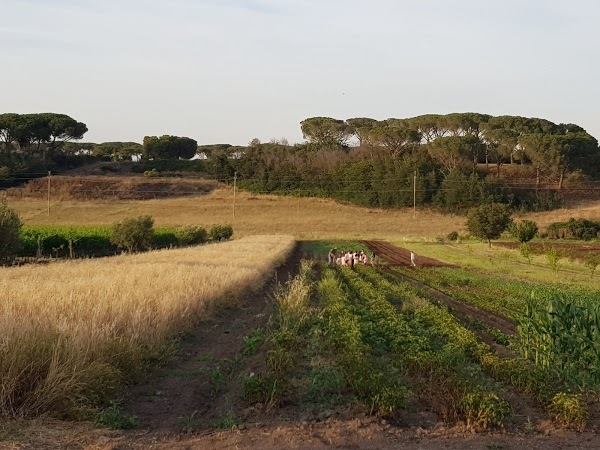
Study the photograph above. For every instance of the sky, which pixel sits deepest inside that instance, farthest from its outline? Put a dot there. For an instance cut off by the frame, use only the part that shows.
(228, 71)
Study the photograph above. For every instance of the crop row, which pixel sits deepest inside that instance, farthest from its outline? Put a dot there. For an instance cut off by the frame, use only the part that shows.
(505, 297)
(549, 385)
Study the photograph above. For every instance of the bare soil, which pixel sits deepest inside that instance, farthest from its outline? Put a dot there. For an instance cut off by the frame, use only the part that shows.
(112, 188)
(397, 256)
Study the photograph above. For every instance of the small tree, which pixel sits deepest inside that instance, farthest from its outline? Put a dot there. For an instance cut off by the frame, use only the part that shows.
(133, 234)
(591, 261)
(525, 250)
(10, 227)
(523, 231)
(489, 221)
(553, 258)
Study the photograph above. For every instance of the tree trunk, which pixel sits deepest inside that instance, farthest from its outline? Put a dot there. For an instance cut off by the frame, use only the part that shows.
(561, 179)
(498, 170)
(490, 243)
(537, 178)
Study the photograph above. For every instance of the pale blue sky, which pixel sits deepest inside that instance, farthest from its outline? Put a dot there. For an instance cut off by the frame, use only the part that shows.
(226, 71)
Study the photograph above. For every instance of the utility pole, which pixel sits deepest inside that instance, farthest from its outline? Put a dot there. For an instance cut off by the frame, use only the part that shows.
(415, 195)
(234, 186)
(49, 173)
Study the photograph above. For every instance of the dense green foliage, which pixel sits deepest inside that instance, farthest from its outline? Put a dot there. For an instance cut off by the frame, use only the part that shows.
(575, 229)
(169, 147)
(88, 241)
(10, 226)
(563, 337)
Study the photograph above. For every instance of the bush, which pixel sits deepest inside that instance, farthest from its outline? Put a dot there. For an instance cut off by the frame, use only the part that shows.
(568, 410)
(191, 235)
(10, 226)
(221, 232)
(133, 234)
(523, 231)
(452, 236)
(574, 229)
(489, 221)
(484, 409)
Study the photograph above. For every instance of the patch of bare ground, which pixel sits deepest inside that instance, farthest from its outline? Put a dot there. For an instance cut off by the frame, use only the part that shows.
(357, 433)
(111, 188)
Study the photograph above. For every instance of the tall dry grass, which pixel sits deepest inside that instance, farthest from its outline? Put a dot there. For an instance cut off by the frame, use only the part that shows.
(71, 333)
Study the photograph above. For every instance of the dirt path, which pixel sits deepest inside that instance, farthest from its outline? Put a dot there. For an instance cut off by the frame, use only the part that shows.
(192, 391)
(397, 256)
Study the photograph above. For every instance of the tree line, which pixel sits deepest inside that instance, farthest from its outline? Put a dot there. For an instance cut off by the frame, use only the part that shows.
(360, 160)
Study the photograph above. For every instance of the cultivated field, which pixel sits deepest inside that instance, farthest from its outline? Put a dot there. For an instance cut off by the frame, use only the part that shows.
(73, 332)
(391, 355)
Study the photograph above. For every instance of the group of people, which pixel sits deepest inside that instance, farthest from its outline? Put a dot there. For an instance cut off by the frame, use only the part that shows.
(350, 258)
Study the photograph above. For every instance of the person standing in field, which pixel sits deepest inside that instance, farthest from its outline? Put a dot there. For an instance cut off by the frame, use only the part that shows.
(413, 259)
(331, 257)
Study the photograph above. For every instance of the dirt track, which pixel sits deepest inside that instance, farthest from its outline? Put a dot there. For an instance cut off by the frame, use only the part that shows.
(397, 256)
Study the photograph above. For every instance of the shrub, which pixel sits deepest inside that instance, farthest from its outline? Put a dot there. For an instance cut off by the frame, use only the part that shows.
(324, 385)
(526, 252)
(568, 410)
(221, 232)
(452, 236)
(523, 231)
(114, 418)
(484, 409)
(10, 226)
(191, 235)
(489, 221)
(553, 257)
(134, 234)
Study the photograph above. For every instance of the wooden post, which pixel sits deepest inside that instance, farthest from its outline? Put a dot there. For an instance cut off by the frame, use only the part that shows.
(49, 174)
(415, 195)
(234, 187)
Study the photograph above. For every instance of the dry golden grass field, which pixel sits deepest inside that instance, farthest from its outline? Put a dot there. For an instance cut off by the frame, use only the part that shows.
(305, 218)
(73, 331)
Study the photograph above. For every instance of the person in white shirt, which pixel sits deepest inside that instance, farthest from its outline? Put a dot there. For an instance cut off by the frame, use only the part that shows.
(413, 259)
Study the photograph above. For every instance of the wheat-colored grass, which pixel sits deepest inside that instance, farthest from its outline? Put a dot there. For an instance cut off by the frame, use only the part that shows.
(306, 218)
(72, 331)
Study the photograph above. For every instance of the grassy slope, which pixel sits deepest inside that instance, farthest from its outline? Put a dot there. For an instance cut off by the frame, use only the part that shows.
(505, 263)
